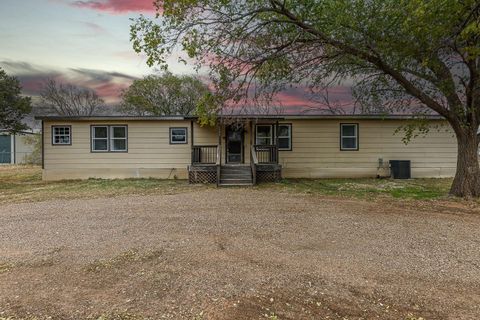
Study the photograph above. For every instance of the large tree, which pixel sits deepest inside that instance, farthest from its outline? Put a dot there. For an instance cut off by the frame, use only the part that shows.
(165, 94)
(70, 100)
(13, 106)
(415, 54)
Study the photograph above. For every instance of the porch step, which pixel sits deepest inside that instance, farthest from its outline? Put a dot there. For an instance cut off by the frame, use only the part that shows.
(235, 169)
(235, 182)
(235, 176)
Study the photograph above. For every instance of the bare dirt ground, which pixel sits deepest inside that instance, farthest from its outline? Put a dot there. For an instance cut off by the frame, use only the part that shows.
(239, 254)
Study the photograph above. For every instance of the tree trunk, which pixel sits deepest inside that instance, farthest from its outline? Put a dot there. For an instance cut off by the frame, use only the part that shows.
(467, 177)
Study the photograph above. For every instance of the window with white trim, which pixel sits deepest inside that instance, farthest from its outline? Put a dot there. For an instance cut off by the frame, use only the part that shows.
(109, 138)
(284, 137)
(178, 135)
(61, 135)
(349, 136)
(263, 134)
(118, 138)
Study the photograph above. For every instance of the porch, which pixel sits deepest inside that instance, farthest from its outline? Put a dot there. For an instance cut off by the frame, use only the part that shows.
(243, 155)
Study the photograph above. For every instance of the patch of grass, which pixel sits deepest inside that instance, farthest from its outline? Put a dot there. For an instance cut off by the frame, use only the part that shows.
(25, 184)
(5, 267)
(418, 189)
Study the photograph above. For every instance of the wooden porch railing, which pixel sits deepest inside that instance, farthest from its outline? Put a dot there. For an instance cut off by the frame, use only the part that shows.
(266, 154)
(205, 155)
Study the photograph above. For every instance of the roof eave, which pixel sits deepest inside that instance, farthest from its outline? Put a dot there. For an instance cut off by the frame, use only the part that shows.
(258, 117)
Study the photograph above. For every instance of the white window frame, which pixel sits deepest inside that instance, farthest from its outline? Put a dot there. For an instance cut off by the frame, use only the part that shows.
(69, 135)
(269, 137)
(109, 138)
(112, 138)
(355, 136)
(289, 136)
(185, 141)
(93, 138)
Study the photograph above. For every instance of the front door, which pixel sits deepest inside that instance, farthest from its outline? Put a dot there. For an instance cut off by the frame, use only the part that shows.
(5, 149)
(234, 137)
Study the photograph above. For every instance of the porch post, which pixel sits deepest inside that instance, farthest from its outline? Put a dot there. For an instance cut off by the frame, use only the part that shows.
(251, 134)
(219, 133)
(219, 151)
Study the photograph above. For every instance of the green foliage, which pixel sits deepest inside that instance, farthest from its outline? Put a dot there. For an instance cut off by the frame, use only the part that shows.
(407, 54)
(207, 109)
(13, 107)
(166, 94)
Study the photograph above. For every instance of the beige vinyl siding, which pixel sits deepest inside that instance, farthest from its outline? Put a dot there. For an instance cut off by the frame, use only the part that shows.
(150, 153)
(316, 150)
(205, 135)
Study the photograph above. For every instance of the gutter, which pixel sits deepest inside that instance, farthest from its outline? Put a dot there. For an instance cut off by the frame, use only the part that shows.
(259, 117)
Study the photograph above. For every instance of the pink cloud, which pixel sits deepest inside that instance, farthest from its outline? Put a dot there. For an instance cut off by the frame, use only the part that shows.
(108, 85)
(116, 6)
(110, 91)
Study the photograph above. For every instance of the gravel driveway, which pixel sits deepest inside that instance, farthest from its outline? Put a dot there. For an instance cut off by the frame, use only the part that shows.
(238, 254)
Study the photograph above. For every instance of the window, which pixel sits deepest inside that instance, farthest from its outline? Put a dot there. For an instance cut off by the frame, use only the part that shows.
(284, 137)
(349, 136)
(264, 135)
(61, 135)
(118, 138)
(100, 138)
(178, 135)
(109, 138)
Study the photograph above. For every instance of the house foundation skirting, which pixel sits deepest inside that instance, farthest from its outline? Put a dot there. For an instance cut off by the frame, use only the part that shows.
(202, 174)
(269, 173)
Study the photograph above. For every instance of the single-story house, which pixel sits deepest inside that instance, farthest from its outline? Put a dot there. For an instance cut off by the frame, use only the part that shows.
(15, 148)
(241, 149)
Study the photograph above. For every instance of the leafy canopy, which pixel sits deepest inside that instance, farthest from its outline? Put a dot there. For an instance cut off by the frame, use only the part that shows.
(165, 94)
(399, 54)
(13, 107)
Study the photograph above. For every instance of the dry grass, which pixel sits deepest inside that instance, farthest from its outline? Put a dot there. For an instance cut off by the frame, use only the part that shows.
(369, 188)
(25, 184)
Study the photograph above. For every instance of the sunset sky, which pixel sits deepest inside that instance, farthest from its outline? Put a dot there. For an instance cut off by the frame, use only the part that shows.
(85, 43)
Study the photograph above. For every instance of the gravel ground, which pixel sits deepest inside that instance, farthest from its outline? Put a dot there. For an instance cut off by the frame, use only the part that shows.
(238, 254)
